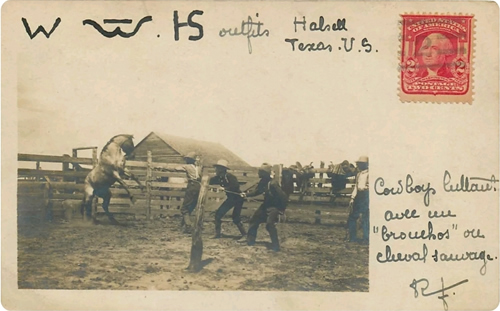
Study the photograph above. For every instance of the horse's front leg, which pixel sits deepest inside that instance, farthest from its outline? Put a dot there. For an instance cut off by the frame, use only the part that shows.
(124, 185)
(106, 198)
(129, 174)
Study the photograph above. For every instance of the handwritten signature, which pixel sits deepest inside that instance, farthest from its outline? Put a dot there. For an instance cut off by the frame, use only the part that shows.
(425, 285)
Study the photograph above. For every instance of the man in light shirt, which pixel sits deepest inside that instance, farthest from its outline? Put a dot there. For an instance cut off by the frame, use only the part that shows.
(360, 202)
(193, 174)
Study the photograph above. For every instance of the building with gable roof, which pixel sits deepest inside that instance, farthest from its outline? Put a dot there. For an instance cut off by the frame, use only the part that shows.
(171, 149)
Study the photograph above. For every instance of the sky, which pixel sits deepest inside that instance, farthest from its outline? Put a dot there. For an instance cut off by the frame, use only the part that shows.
(268, 106)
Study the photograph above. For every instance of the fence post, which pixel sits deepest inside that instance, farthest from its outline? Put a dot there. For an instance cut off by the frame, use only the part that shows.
(149, 177)
(197, 242)
(317, 217)
(94, 157)
(281, 225)
(38, 178)
(47, 203)
(321, 175)
(278, 172)
(313, 191)
(93, 209)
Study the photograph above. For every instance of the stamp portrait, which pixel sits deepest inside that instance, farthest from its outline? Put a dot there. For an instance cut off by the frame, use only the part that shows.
(436, 58)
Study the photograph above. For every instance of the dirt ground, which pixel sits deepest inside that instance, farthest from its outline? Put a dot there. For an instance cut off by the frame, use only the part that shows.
(153, 256)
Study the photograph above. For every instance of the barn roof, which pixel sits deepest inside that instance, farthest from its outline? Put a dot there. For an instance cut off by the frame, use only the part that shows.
(209, 151)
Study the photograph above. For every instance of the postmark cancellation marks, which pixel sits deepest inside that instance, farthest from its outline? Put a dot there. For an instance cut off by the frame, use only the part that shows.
(436, 57)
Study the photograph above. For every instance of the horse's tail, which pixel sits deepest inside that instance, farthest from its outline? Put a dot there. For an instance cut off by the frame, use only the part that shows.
(87, 183)
(82, 206)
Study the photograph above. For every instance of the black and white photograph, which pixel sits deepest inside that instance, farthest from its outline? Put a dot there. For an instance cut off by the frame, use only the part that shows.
(188, 219)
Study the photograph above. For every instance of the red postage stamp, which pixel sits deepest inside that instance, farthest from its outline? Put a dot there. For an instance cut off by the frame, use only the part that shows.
(436, 58)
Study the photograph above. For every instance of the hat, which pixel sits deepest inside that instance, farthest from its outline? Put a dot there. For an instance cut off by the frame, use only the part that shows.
(266, 167)
(191, 155)
(222, 163)
(363, 159)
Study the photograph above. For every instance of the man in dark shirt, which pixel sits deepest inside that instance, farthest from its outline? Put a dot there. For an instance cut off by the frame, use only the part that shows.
(274, 204)
(234, 198)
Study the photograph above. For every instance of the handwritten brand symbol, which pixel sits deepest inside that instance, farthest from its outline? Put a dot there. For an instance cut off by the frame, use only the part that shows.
(425, 285)
(40, 28)
(454, 226)
(117, 30)
(189, 23)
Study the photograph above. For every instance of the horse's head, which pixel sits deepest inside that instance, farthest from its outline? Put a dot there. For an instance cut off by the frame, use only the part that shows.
(125, 142)
(128, 148)
(308, 170)
(349, 169)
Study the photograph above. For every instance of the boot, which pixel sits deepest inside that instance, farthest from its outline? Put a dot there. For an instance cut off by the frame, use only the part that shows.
(250, 240)
(242, 229)
(186, 223)
(275, 243)
(352, 226)
(218, 229)
(242, 240)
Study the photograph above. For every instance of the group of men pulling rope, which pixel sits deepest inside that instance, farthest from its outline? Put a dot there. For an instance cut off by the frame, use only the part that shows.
(274, 204)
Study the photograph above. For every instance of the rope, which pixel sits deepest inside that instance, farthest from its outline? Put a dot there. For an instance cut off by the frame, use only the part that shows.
(239, 193)
(248, 199)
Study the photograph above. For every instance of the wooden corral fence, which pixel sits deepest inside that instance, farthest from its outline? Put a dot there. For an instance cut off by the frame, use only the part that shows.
(319, 190)
(40, 192)
(53, 191)
(47, 193)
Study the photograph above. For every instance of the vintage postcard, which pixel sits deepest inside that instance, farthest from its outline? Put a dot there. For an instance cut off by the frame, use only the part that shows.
(250, 155)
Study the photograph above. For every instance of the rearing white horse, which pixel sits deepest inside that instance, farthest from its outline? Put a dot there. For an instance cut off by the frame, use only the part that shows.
(110, 169)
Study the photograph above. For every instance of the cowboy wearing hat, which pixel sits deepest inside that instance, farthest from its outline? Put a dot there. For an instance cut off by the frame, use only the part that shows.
(193, 173)
(274, 204)
(359, 204)
(231, 186)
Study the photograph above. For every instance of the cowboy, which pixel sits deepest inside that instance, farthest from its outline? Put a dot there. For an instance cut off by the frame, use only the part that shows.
(359, 204)
(234, 197)
(193, 173)
(274, 204)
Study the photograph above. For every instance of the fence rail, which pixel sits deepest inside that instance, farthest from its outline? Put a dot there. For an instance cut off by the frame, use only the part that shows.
(53, 159)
